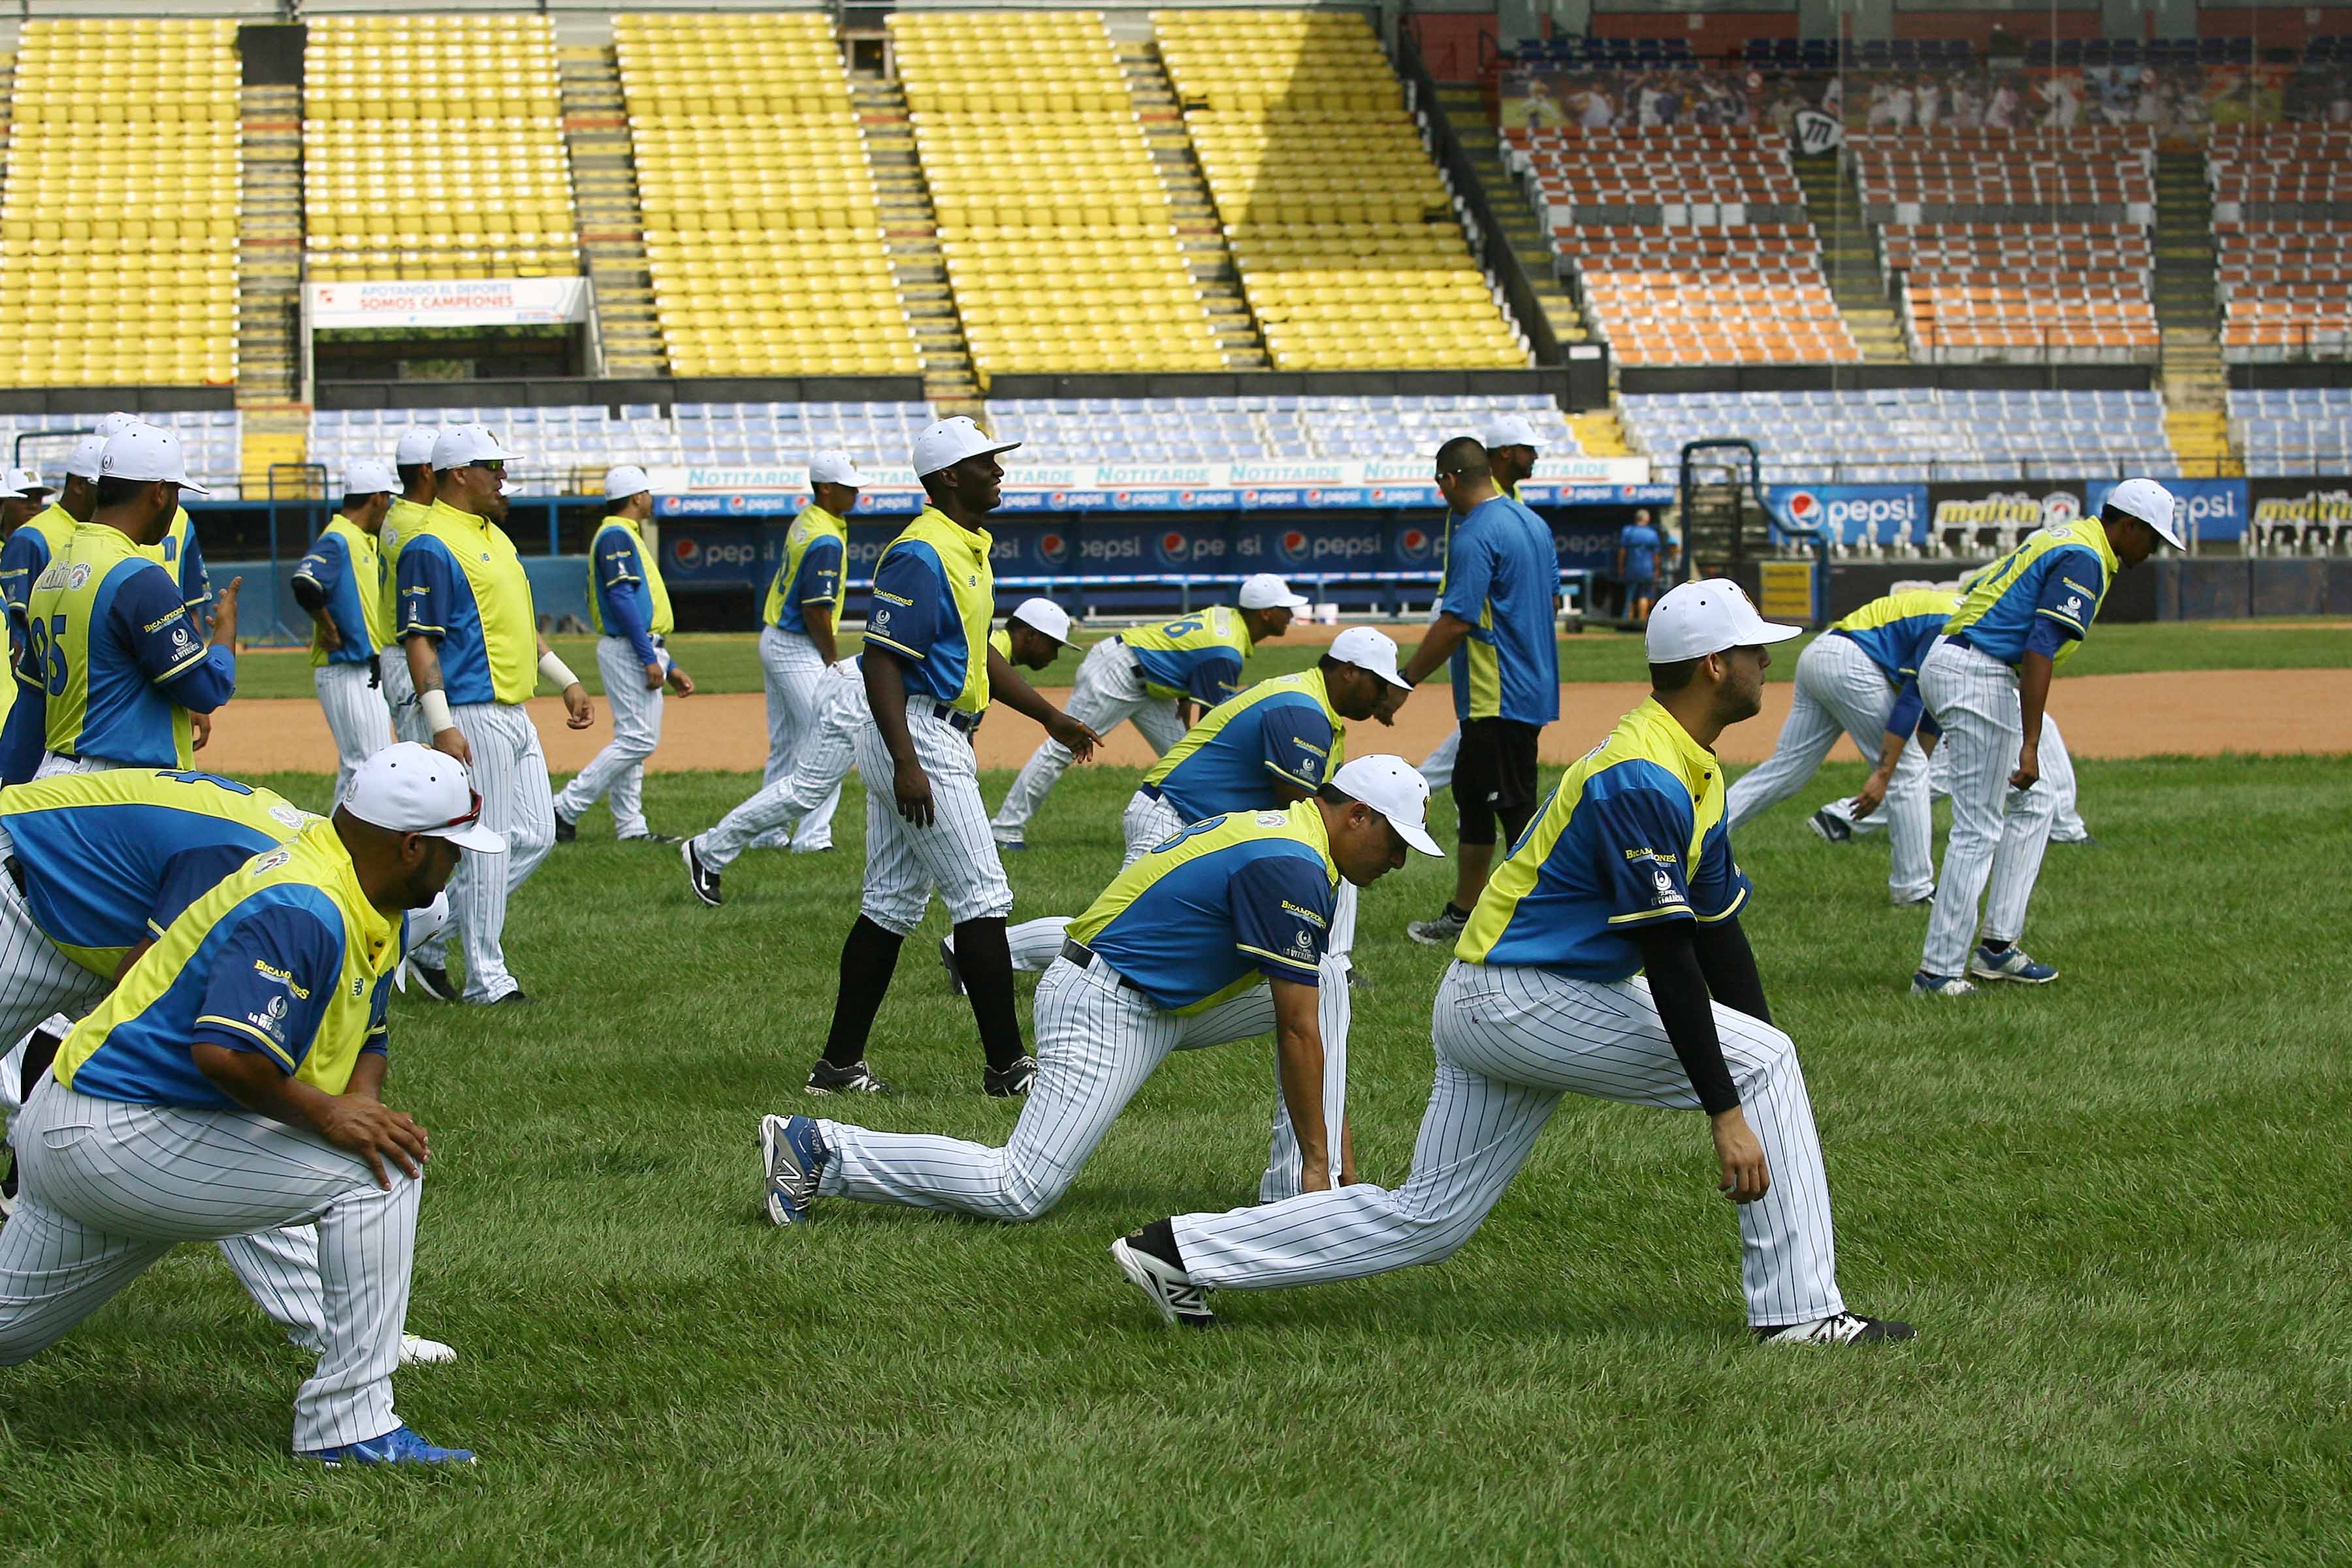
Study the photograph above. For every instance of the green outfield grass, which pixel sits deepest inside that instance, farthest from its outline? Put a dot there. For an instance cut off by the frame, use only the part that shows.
(729, 663)
(2115, 1207)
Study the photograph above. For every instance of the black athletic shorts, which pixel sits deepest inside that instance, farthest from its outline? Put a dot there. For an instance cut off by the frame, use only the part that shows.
(1494, 777)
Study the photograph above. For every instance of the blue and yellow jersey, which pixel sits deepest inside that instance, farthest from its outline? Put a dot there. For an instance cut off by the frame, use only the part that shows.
(113, 657)
(1502, 576)
(1280, 731)
(934, 594)
(2041, 596)
(284, 957)
(178, 553)
(110, 859)
(29, 550)
(1199, 657)
(462, 585)
(346, 566)
(402, 520)
(630, 600)
(1000, 639)
(1445, 540)
(1200, 918)
(1895, 632)
(1632, 834)
(815, 548)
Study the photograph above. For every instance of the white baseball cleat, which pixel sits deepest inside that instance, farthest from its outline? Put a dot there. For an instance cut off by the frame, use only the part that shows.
(1845, 1328)
(1174, 1294)
(416, 1350)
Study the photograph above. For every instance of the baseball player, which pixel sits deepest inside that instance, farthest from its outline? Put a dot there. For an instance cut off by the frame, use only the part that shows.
(1032, 637)
(929, 675)
(32, 542)
(21, 494)
(1150, 676)
(1511, 455)
(631, 610)
(233, 1084)
(413, 467)
(1836, 820)
(1605, 959)
(341, 584)
(466, 622)
(797, 640)
(113, 662)
(1987, 685)
(1233, 904)
(1862, 678)
(1495, 628)
(1637, 564)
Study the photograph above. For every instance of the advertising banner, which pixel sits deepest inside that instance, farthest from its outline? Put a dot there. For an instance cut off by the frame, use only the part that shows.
(2293, 515)
(484, 302)
(1888, 514)
(2204, 508)
(1990, 516)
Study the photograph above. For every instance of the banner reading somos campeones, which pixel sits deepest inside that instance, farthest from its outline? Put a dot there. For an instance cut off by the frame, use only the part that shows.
(481, 302)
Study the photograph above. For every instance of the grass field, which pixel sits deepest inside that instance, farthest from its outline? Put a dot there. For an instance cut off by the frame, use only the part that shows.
(2114, 1208)
(732, 663)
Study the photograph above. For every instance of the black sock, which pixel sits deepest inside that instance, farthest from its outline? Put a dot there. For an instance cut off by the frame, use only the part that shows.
(1992, 946)
(985, 961)
(1456, 912)
(1159, 1240)
(867, 959)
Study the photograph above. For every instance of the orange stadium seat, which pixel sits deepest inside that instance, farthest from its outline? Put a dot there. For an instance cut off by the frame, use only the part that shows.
(2281, 275)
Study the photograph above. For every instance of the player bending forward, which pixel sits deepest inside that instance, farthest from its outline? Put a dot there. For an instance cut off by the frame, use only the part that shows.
(1605, 959)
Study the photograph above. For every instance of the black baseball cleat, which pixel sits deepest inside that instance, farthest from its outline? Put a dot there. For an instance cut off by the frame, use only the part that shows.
(700, 877)
(1009, 1081)
(1171, 1290)
(650, 838)
(1832, 830)
(433, 980)
(947, 962)
(1845, 1328)
(825, 1078)
(516, 1000)
(566, 829)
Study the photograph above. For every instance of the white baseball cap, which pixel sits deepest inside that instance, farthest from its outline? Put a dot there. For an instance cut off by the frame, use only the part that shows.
(1267, 591)
(834, 466)
(624, 480)
(951, 441)
(1508, 430)
(2148, 501)
(87, 453)
(1696, 619)
(9, 489)
(1369, 649)
(114, 424)
(1044, 615)
(415, 444)
(369, 476)
(425, 924)
(464, 443)
(412, 788)
(148, 455)
(1395, 788)
(27, 482)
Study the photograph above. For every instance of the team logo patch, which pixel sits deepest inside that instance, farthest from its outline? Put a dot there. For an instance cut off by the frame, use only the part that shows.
(880, 623)
(1303, 945)
(1666, 886)
(1272, 819)
(292, 817)
(271, 1019)
(181, 641)
(77, 575)
(271, 863)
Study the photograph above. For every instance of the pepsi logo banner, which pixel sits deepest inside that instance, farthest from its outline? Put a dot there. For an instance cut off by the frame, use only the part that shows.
(1851, 514)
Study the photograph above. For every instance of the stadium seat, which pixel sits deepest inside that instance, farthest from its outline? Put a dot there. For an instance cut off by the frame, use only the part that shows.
(2283, 260)
(1308, 426)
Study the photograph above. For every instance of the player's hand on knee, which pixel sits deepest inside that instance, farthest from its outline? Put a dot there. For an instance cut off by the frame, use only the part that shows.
(912, 787)
(1745, 1178)
(376, 1134)
(451, 742)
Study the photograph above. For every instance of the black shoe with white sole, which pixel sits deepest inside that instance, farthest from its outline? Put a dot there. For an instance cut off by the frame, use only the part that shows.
(825, 1078)
(566, 829)
(1009, 1081)
(1171, 1290)
(1845, 1328)
(433, 980)
(1834, 829)
(700, 878)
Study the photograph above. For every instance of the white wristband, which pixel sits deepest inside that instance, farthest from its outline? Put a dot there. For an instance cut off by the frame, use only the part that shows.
(436, 706)
(556, 673)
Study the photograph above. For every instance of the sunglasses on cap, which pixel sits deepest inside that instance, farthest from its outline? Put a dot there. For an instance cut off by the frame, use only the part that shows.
(473, 812)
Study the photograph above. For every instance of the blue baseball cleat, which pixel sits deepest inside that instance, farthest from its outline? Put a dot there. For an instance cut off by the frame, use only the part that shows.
(2011, 963)
(401, 1445)
(793, 1156)
(1005, 846)
(1924, 984)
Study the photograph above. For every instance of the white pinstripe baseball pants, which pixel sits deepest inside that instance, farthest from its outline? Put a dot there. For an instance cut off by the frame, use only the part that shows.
(808, 790)
(1840, 691)
(1510, 1041)
(798, 685)
(108, 1188)
(356, 718)
(399, 695)
(55, 763)
(955, 854)
(1149, 820)
(1438, 768)
(511, 771)
(619, 769)
(1096, 1043)
(2066, 825)
(1998, 833)
(1109, 692)
(36, 979)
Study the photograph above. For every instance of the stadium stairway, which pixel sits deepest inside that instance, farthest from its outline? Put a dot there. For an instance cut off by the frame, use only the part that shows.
(605, 197)
(1850, 256)
(910, 230)
(2188, 318)
(1464, 109)
(1199, 234)
(1599, 434)
(269, 247)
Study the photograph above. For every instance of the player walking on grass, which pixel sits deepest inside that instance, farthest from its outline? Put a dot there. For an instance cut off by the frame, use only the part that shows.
(1605, 959)
(799, 639)
(929, 675)
(1987, 685)
(1166, 960)
(341, 584)
(1511, 454)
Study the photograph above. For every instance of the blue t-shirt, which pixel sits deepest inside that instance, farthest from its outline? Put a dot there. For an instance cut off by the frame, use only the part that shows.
(1639, 543)
(1502, 574)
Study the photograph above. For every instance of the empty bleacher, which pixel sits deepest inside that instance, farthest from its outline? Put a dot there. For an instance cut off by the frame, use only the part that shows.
(762, 232)
(2283, 239)
(1350, 252)
(210, 440)
(1266, 428)
(2291, 431)
(432, 147)
(119, 215)
(558, 450)
(1052, 215)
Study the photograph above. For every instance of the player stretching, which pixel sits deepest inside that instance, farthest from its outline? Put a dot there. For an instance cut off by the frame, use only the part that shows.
(341, 584)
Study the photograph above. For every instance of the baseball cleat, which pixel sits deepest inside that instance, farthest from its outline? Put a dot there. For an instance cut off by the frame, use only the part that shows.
(1011, 846)
(1011, 1081)
(433, 980)
(792, 1155)
(947, 962)
(1173, 1295)
(2085, 842)
(400, 1445)
(416, 1350)
(1845, 1328)
(825, 1078)
(700, 878)
(1441, 932)
(1832, 830)
(1921, 902)
(649, 838)
(2011, 963)
(515, 999)
(566, 829)
(1924, 984)
(823, 848)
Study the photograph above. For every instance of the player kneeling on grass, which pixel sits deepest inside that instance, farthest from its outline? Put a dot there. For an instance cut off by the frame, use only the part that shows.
(1171, 957)
(1604, 958)
(232, 1082)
